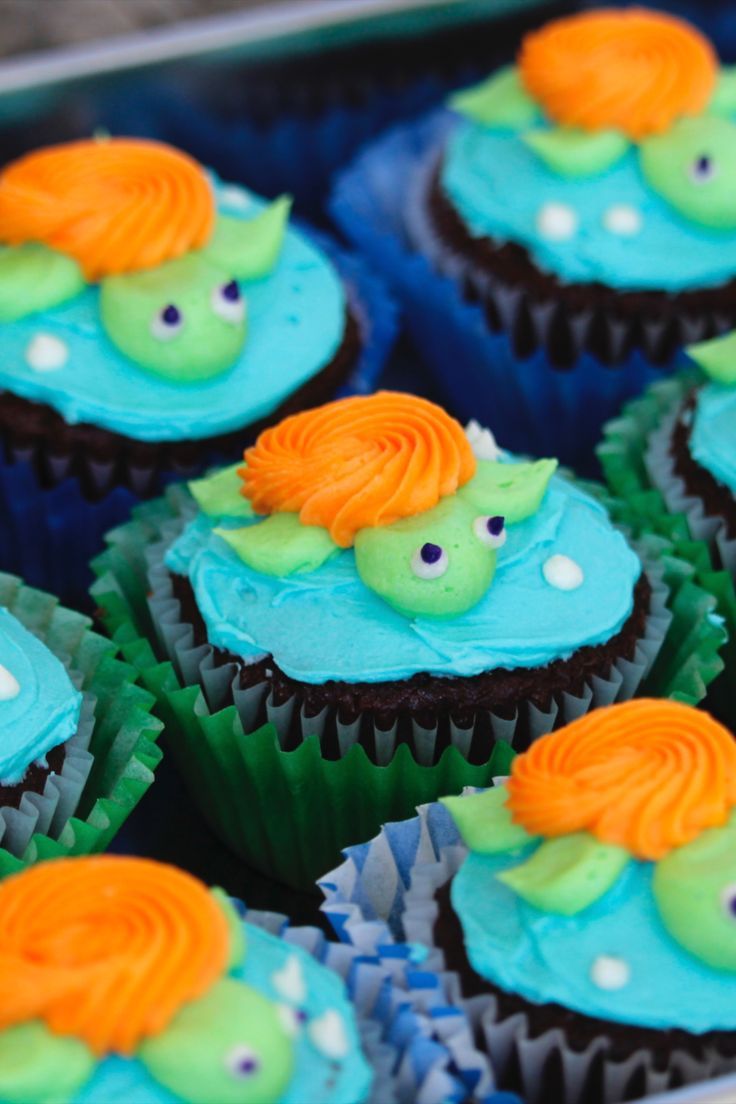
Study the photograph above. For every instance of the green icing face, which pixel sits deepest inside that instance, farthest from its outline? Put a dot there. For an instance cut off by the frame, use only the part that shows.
(695, 891)
(38, 1067)
(693, 168)
(229, 1046)
(35, 278)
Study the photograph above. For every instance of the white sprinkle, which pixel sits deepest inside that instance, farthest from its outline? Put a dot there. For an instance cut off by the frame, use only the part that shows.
(289, 981)
(482, 441)
(9, 685)
(46, 353)
(557, 221)
(622, 219)
(609, 972)
(562, 572)
(288, 1020)
(328, 1034)
(232, 196)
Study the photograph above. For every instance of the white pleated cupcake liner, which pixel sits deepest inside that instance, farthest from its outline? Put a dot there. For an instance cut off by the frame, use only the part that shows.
(384, 894)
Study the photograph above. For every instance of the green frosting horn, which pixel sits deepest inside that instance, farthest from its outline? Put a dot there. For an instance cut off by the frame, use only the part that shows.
(499, 101)
(567, 874)
(38, 1067)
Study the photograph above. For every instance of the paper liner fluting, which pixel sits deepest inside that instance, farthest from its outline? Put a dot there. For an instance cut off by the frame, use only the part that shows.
(109, 762)
(383, 894)
(54, 522)
(413, 1055)
(269, 780)
(501, 376)
(652, 499)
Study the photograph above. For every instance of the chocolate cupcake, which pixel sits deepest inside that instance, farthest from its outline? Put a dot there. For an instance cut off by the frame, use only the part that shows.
(580, 204)
(585, 911)
(400, 601)
(153, 319)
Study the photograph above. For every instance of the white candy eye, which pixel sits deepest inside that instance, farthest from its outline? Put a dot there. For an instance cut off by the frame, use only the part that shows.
(167, 323)
(728, 901)
(430, 561)
(703, 169)
(490, 530)
(228, 302)
(242, 1062)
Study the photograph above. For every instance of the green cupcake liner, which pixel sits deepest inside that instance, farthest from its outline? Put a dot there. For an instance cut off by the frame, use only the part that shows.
(291, 812)
(120, 737)
(644, 510)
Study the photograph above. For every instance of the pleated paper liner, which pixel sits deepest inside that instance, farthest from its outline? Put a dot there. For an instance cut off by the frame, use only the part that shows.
(53, 524)
(290, 812)
(383, 894)
(414, 1056)
(111, 760)
(497, 370)
(638, 469)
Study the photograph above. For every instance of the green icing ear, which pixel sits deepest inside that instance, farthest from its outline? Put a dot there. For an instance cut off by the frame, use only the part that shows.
(695, 892)
(724, 97)
(515, 491)
(500, 101)
(175, 320)
(716, 357)
(38, 1067)
(34, 278)
(248, 249)
(219, 495)
(567, 874)
(229, 1046)
(485, 823)
(281, 545)
(570, 152)
(238, 942)
(389, 561)
(693, 168)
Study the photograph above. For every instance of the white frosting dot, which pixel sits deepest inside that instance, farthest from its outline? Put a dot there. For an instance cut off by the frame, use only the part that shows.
(289, 981)
(232, 196)
(46, 353)
(481, 441)
(562, 572)
(622, 219)
(328, 1034)
(609, 972)
(556, 221)
(9, 685)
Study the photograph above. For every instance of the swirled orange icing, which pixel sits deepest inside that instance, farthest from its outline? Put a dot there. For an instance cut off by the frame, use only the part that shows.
(106, 949)
(633, 70)
(114, 205)
(645, 775)
(358, 463)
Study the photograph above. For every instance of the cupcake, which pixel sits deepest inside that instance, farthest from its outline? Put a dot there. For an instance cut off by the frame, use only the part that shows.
(77, 742)
(152, 319)
(570, 223)
(582, 909)
(127, 979)
(671, 456)
(396, 601)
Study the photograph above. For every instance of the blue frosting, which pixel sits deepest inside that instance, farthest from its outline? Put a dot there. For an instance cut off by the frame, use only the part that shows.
(328, 625)
(44, 713)
(713, 436)
(296, 321)
(546, 958)
(316, 1077)
(498, 185)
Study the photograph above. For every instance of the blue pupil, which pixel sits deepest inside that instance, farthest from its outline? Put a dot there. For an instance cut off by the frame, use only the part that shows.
(703, 165)
(430, 553)
(171, 315)
(246, 1066)
(495, 525)
(231, 292)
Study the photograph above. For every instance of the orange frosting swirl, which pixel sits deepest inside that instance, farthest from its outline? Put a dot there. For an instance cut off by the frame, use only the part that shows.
(358, 463)
(106, 949)
(633, 70)
(115, 205)
(645, 775)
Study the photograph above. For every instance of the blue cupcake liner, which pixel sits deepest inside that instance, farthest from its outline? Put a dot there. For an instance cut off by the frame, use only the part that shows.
(410, 1060)
(532, 406)
(49, 535)
(381, 899)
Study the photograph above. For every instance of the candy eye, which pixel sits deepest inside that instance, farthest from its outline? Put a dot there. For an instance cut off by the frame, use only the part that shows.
(430, 561)
(242, 1062)
(728, 901)
(167, 323)
(490, 530)
(702, 169)
(228, 302)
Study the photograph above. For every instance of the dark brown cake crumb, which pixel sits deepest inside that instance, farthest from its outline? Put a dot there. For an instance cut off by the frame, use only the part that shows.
(34, 779)
(718, 500)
